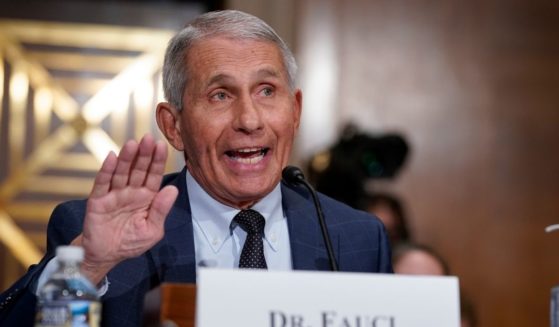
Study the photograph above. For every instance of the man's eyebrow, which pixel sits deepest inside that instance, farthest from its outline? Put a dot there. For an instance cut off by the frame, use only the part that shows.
(268, 72)
(222, 78)
(218, 79)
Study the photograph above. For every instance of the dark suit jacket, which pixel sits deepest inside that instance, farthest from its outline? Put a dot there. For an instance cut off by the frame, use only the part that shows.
(358, 239)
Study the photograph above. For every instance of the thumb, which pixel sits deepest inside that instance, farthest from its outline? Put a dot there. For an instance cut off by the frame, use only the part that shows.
(162, 203)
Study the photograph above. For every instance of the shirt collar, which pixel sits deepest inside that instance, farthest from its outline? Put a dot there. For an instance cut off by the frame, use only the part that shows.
(214, 217)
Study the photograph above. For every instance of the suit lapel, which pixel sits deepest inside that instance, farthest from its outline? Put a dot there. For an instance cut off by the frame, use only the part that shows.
(307, 246)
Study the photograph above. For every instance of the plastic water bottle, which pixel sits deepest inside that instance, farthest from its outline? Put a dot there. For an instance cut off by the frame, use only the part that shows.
(68, 298)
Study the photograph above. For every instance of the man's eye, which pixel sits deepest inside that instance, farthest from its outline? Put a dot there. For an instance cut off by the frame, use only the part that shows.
(267, 91)
(219, 96)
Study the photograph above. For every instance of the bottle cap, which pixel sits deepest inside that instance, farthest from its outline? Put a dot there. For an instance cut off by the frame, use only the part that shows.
(69, 253)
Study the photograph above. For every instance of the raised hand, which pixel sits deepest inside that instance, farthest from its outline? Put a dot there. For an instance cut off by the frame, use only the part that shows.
(126, 210)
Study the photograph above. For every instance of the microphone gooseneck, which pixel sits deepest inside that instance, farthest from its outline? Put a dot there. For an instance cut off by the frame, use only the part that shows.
(295, 176)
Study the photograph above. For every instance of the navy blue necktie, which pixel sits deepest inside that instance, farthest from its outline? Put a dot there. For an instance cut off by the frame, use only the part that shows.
(252, 255)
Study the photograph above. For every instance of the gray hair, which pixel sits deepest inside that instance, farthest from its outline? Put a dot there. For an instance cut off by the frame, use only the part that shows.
(229, 23)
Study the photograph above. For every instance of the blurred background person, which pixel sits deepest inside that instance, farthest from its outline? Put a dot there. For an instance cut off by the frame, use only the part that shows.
(410, 258)
(418, 259)
(390, 210)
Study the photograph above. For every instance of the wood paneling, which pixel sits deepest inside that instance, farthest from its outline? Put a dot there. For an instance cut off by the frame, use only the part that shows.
(474, 86)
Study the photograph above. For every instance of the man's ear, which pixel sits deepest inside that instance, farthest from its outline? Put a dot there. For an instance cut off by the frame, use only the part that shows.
(168, 121)
(298, 108)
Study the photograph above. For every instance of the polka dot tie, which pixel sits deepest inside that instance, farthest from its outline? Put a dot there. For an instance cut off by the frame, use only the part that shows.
(252, 255)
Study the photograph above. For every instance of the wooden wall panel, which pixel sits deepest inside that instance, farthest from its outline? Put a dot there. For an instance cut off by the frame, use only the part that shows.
(474, 86)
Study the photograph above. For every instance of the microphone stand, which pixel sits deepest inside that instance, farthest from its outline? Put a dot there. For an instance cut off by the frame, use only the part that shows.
(294, 176)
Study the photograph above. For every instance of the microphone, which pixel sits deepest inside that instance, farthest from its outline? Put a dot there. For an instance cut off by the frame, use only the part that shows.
(294, 176)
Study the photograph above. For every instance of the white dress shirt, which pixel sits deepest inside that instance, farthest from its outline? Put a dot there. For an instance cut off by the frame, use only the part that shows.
(218, 244)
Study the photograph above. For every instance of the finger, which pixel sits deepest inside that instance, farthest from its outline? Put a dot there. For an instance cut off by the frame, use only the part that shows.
(143, 160)
(125, 159)
(102, 182)
(157, 166)
(162, 204)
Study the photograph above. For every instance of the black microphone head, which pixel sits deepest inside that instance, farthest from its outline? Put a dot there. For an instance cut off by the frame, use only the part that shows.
(293, 175)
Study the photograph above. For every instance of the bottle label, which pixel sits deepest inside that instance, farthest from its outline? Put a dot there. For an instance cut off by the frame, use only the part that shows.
(69, 314)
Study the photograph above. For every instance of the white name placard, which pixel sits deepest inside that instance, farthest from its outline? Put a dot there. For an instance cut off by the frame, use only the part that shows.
(254, 298)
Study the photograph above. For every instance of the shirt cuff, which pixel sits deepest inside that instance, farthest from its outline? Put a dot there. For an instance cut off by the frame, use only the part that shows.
(103, 287)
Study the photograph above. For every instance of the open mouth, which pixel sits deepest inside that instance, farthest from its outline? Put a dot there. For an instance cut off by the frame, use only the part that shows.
(248, 155)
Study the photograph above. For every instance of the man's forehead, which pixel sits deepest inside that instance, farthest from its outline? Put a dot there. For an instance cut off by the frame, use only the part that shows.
(216, 59)
(225, 46)
(222, 40)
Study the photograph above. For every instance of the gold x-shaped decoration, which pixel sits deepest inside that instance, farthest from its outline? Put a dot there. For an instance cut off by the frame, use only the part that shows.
(70, 93)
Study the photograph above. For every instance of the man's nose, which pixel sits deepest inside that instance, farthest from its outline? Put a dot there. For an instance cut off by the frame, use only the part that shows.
(248, 115)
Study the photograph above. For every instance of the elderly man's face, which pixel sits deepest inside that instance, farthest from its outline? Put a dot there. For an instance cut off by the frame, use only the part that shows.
(239, 118)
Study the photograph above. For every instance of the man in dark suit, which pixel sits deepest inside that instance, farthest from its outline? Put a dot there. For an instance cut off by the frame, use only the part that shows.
(233, 110)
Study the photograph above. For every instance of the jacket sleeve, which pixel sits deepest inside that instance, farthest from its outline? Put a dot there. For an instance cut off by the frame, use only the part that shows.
(17, 303)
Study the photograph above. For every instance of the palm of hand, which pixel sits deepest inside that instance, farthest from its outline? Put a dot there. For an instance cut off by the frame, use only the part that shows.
(126, 210)
(118, 225)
